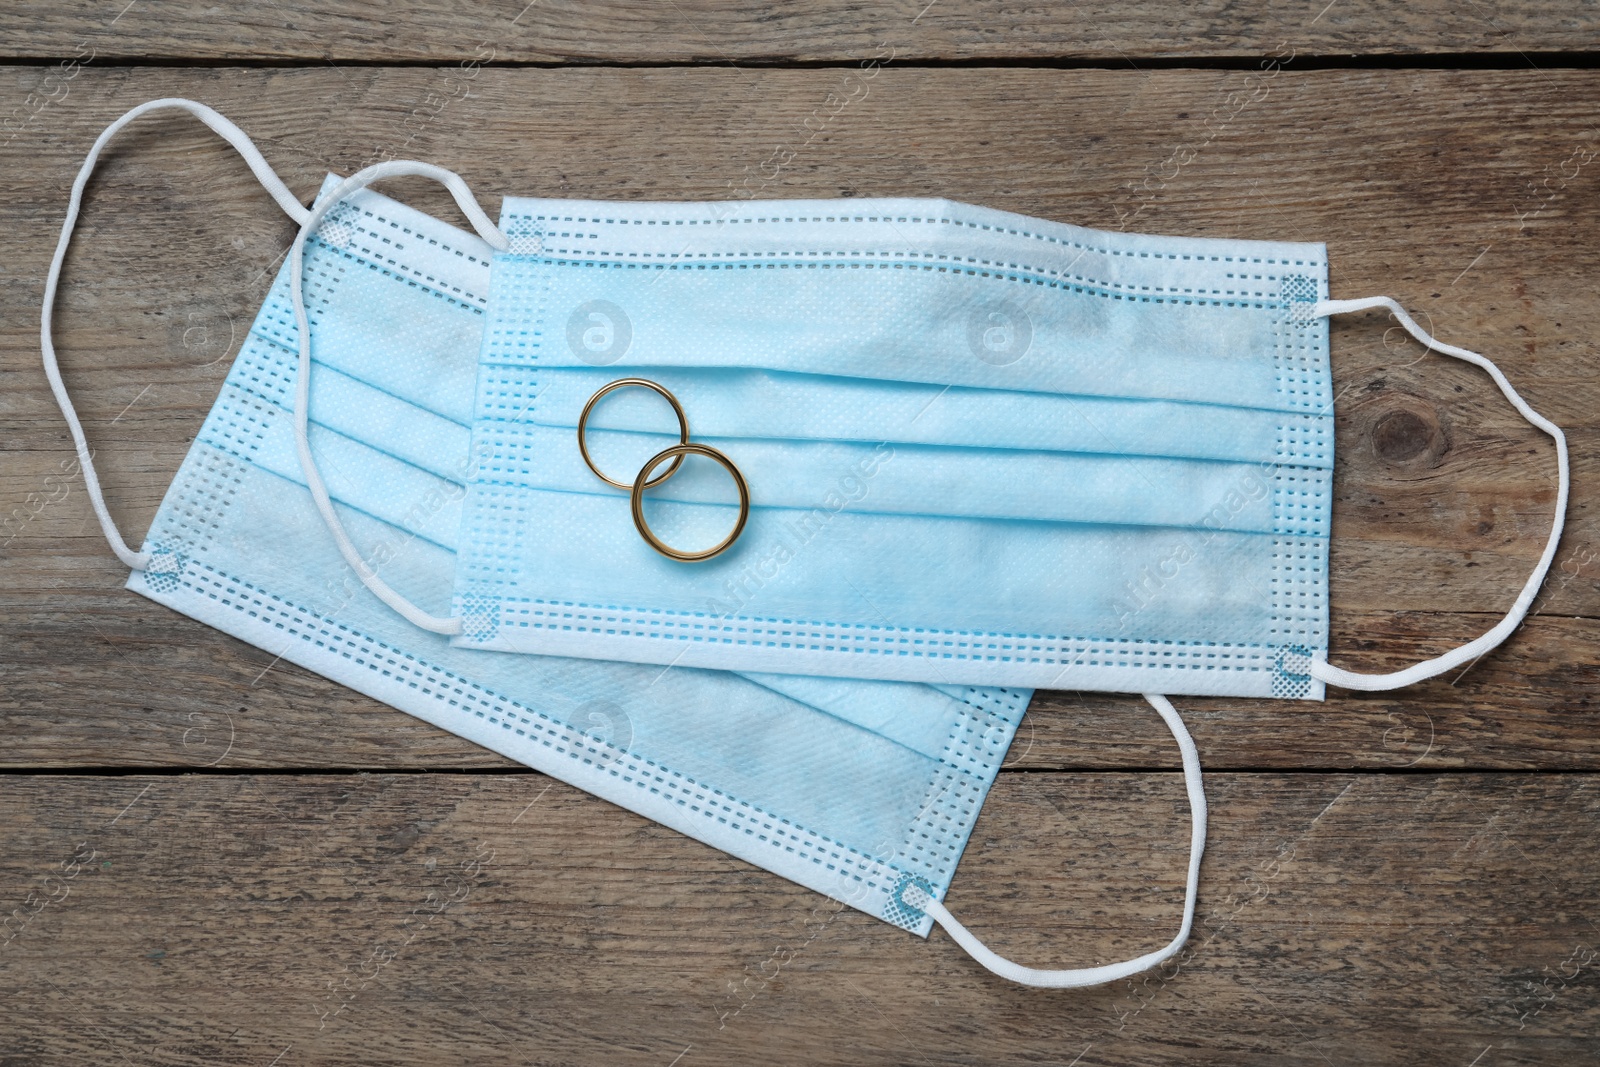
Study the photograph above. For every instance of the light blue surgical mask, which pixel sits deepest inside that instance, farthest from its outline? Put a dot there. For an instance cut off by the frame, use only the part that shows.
(865, 791)
(981, 448)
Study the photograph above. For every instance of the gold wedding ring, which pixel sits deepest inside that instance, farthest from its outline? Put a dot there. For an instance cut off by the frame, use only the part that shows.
(676, 453)
(623, 383)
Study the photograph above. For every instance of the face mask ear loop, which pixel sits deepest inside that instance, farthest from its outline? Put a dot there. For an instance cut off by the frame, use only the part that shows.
(264, 174)
(917, 897)
(302, 395)
(1513, 618)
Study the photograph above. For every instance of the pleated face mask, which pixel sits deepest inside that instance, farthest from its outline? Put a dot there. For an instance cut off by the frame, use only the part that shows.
(966, 447)
(864, 791)
(979, 447)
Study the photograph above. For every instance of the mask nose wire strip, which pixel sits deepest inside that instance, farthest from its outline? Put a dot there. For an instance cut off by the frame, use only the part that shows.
(302, 393)
(269, 181)
(1320, 668)
(918, 897)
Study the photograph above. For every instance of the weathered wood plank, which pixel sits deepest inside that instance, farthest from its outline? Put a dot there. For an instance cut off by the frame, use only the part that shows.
(1416, 919)
(114, 680)
(1443, 497)
(635, 31)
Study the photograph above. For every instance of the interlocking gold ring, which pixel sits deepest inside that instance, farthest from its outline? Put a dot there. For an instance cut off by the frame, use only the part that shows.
(622, 383)
(676, 453)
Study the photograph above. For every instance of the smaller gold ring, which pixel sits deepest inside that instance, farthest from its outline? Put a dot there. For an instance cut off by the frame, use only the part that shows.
(677, 452)
(623, 383)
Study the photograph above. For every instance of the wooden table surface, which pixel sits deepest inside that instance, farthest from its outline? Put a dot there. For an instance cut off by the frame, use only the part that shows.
(1406, 877)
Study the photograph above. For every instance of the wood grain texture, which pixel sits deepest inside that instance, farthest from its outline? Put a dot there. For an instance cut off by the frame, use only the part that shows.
(1374, 919)
(117, 681)
(1424, 903)
(1443, 496)
(704, 31)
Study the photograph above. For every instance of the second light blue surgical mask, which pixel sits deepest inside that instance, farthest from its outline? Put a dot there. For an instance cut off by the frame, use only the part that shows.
(865, 791)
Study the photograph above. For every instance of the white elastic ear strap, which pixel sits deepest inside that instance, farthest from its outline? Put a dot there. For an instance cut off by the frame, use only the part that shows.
(919, 898)
(1503, 629)
(269, 181)
(302, 393)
